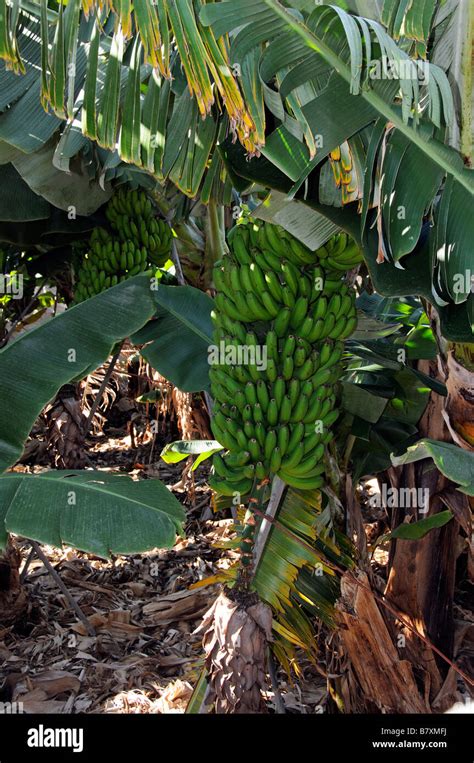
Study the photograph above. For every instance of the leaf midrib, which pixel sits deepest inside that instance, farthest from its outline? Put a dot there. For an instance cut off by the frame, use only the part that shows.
(86, 485)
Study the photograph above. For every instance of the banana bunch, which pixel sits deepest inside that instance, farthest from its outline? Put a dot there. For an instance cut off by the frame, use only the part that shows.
(131, 215)
(141, 240)
(107, 263)
(281, 316)
(341, 253)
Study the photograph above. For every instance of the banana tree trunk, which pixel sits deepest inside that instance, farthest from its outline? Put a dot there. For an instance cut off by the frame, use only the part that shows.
(13, 600)
(422, 574)
(66, 427)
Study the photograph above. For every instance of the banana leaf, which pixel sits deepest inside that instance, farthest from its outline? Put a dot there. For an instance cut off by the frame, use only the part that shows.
(94, 511)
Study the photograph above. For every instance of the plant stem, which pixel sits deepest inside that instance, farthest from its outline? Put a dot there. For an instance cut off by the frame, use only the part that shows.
(279, 704)
(347, 453)
(215, 239)
(278, 487)
(100, 394)
(179, 270)
(24, 312)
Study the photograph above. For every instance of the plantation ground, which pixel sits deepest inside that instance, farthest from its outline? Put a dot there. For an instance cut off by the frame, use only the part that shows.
(143, 657)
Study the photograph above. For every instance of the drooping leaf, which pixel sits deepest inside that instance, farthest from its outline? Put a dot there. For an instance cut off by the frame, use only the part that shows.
(293, 574)
(411, 398)
(418, 530)
(178, 341)
(451, 460)
(70, 346)
(83, 197)
(94, 511)
(362, 403)
(17, 201)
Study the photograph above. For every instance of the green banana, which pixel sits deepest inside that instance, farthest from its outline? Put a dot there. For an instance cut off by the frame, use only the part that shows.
(273, 285)
(299, 312)
(279, 389)
(302, 483)
(269, 304)
(228, 488)
(291, 276)
(275, 460)
(283, 439)
(263, 395)
(294, 456)
(300, 409)
(285, 410)
(270, 444)
(282, 322)
(272, 412)
(274, 239)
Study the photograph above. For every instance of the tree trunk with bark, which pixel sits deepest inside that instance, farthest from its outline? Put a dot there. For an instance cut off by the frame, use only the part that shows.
(13, 600)
(422, 574)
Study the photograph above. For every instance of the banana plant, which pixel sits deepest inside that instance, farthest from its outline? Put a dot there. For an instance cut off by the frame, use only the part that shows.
(317, 97)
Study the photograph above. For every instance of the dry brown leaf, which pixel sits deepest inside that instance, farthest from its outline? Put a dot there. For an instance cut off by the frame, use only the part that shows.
(117, 623)
(174, 698)
(52, 683)
(386, 680)
(182, 605)
(137, 588)
(43, 707)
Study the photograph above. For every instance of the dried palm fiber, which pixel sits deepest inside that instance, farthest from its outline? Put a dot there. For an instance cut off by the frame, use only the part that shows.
(13, 599)
(236, 630)
(66, 426)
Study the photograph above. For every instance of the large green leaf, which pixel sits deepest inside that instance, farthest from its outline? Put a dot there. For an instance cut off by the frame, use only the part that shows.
(178, 341)
(111, 72)
(83, 195)
(415, 277)
(407, 187)
(454, 462)
(94, 511)
(359, 402)
(412, 20)
(71, 345)
(17, 201)
(260, 170)
(338, 39)
(413, 159)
